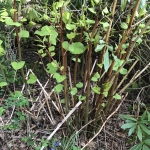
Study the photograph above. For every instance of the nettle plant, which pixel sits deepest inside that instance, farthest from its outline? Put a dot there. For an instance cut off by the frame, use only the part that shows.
(139, 129)
(87, 51)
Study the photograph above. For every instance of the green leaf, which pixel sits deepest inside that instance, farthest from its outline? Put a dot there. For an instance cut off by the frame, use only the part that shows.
(79, 85)
(51, 48)
(128, 125)
(89, 21)
(3, 84)
(4, 14)
(106, 61)
(147, 141)
(124, 25)
(32, 79)
(99, 47)
(95, 77)
(45, 31)
(105, 93)
(81, 98)
(105, 24)
(10, 22)
(118, 63)
(97, 1)
(62, 101)
(145, 147)
(123, 4)
(48, 31)
(74, 59)
(1, 110)
(148, 116)
(123, 71)
(137, 147)
(65, 45)
(144, 128)
(92, 10)
(96, 89)
(22, 118)
(52, 68)
(24, 34)
(59, 78)
(73, 91)
(70, 26)
(58, 88)
(18, 65)
(131, 130)
(117, 96)
(71, 35)
(103, 104)
(100, 65)
(127, 117)
(107, 86)
(105, 10)
(139, 133)
(76, 48)
(144, 115)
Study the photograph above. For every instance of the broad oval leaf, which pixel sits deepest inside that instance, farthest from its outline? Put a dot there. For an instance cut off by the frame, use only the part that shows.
(76, 48)
(58, 88)
(71, 35)
(96, 89)
(3, 84)
(52, 68)
(79, 85)
(95, 77)
(24, 34)
(65, 45)
(99, 47)
(92, 10)
(18, 65)
(82, 98)
(10, 22)
(124, 25)
(32, 79)
(59, 78)
(117, 96)
(73, 91)
(70, 26)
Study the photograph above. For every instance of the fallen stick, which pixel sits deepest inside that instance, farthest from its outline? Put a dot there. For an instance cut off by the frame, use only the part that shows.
(62, 122)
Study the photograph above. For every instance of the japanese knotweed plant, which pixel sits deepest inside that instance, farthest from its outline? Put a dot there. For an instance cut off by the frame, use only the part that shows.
(98, 45)
(10, 16)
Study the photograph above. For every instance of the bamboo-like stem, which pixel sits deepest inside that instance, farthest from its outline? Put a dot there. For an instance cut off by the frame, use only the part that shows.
(107, 34)
(99, 100)
(89, 60)
(88, 82)
(128, 31)
(125, 35)
(64, 63)
(3, 74)
(18, 42)
(95, 135)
